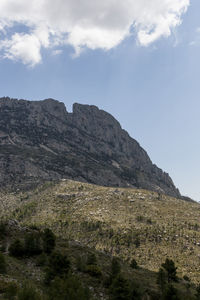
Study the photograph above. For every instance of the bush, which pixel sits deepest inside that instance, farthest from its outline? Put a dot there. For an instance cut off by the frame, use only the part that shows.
(32, 244)
(161, 278)
(135, 293)
(186, 278)
(115, 267)
(119, 289)
(80, 264)
(41, 260)
(171, 293)
(198, 292)
(93, 270)
(68, 289)
(134, 264)
(91, 259)
(49, 241)
(2, 230)
(3, 286)
(28, 292)
(137, 242)
(170, 268)
(2, 264)
(16, 249)
(11, 291)
(58, 265)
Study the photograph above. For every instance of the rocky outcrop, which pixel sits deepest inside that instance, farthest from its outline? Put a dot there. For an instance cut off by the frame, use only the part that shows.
(40, 140)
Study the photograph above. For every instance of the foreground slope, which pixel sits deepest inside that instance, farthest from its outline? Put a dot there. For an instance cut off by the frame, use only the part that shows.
(88, 275)
(129, 223)
(40, 140)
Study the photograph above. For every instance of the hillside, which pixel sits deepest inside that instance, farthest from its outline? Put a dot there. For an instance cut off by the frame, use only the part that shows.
(128, 223)
(41, 141)
(87, 274)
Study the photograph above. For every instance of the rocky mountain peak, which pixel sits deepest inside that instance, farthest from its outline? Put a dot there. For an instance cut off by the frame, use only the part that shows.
(40, 140)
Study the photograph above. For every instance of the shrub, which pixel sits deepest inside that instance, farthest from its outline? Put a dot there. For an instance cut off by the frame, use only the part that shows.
(2, 230)
(170, 268)
(58, 265)
(94, 271)
(171, 293)
(186, 278)
(115, 267)
(28, 292)
(11, 291)
(41, 260)
(91, 259)
(2, 264)
(198, 292)
(161, 278)
(134, 264)
(119, 289)
(16, 248)
(3, 286)
(68, 289)
(32, 244)
(140, 218)
(49, 241)
(137, 242)
(80, 264)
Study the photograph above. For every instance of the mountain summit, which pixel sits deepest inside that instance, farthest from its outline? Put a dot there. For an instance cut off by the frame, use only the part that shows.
(40, 140)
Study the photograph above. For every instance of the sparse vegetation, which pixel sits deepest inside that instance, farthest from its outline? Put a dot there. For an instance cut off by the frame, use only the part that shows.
(94, 239)
(2, 264)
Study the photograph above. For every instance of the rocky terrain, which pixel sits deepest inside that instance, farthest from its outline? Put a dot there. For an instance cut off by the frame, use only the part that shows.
(40, 140)
(122, 222)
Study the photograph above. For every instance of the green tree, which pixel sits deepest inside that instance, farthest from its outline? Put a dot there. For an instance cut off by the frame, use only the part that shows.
(170, 268)
(137, 242)
(32, 244)
(134, 264)
(69, 288)
(58, 265)
(11, 291)
(91, 259)
(16, 248)
(2, 264)
(170, 293)
(28, 292)
(162, 278)
(49, 241)
(119, 289)
(198, 292)
(115, 267)
(80, 264)
(2, 230)
(135, 293)
(93, 270)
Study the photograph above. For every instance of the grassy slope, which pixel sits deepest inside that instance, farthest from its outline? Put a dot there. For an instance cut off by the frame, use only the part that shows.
(114, 220)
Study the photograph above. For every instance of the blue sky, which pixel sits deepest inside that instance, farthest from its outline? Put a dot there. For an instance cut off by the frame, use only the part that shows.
(152, 88)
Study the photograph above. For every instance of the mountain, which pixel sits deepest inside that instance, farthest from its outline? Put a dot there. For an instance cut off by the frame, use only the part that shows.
(40, 141)
(106, 222)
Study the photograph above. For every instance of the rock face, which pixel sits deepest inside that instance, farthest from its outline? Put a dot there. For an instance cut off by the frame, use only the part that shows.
(40, 140)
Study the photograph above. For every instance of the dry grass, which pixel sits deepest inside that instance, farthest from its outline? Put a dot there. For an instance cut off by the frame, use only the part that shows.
(129, 223)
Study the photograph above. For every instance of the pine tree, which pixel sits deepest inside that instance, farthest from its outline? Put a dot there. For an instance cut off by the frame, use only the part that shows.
(170, 268)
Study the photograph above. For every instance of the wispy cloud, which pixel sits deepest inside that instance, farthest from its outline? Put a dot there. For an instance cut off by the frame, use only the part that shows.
(90, 23)
(196, 40)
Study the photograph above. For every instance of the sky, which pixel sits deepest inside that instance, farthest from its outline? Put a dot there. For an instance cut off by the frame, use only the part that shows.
(137, 59)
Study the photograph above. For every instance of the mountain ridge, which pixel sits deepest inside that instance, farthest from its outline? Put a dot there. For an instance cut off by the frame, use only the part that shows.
(40, 140)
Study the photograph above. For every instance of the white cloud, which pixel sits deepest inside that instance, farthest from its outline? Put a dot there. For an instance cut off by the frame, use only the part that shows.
(90, 23)
(57, 52)
(22, 47)
(196, 40)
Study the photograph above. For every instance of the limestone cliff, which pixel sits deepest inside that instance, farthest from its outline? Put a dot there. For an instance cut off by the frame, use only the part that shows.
(40, 140)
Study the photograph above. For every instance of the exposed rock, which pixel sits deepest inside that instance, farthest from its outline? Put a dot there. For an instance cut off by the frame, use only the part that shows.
(40, 140)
